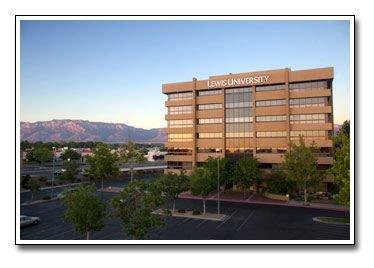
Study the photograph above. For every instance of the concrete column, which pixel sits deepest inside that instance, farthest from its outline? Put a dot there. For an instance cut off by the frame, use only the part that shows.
(254, 121)
(224, 124)
(286, 79)
(194, 94)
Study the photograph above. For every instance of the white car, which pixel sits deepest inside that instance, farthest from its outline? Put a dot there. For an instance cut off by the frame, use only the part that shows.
(27, 220)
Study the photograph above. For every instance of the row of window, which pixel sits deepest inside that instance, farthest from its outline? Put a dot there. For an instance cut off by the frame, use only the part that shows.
(271, 118)
(239, 112)
(210, 120)
(239, 104)
(180, 123)
(307, 118)
(261, 134)
(308, 133)
(186, 109)
(271, 150)
(180, 96)
(209, 135)
(180, 137)
(239, 119)
(238, 90)
(308, 102)
(209, 106)
(208, 150)
(270, 103)
(238, 97)
(308, 85)
(239, 135)
(210, 92)
(270, 87)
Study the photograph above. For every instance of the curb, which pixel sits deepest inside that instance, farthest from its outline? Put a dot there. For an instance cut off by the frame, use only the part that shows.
(39, 201)
(316, 219)
(266, 203)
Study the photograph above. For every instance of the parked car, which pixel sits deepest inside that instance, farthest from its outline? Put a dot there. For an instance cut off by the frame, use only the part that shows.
(27, 220)
(62, 194)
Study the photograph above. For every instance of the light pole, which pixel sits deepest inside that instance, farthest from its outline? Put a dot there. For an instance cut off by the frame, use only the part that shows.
(218, 188)
(53, 170)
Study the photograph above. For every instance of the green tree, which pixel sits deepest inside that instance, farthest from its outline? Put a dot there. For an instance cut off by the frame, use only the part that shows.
(344, 132)
(134, 206)
(172, 185)
(130, 155)
(25, 180)
(278, 183)
(225, 170)
(341, 172)
(25, 145)
(102, 164)
(201, 184)
(71, 170)
(246, 173)
(301, 166)
(34, 186)
(70, 154)
(84, 210)
(39, 154)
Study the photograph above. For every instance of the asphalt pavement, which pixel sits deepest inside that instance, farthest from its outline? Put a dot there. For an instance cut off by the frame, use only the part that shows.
(244, 222)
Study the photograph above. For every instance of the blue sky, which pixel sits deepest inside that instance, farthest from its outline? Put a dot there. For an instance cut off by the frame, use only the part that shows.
(112, 71)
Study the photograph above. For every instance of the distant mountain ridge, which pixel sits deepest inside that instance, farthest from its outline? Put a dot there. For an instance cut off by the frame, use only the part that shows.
(84, 130)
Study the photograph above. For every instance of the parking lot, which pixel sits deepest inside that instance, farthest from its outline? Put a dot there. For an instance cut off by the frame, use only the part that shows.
(243, 221)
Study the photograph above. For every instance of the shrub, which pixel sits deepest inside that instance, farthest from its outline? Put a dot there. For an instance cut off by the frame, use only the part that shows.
(196, 212)
(167, 212)
(43, 179)
(181, 211)
(47, 197)
(25, 181)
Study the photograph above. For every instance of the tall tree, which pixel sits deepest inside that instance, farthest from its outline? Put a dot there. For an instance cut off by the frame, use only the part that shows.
(70, 154)
(40, 154)
(130, 155)
(84, 210)
(172, 185)
(246, 173)
(102, 164)
(71, 170)
(301, 166)
(341, 171)
(34, 186)
(225, 170)
(201, 184)
(134, 206)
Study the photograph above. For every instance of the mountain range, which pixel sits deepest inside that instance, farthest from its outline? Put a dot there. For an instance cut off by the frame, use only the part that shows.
(83, 130)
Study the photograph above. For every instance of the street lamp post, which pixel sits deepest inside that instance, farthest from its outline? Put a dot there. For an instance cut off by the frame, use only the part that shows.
(53, 170)
(218, 188)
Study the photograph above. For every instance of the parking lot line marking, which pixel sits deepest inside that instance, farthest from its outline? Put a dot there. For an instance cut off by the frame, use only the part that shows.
(184, 221)
(245, 221)
(201, 223)
(227, 219)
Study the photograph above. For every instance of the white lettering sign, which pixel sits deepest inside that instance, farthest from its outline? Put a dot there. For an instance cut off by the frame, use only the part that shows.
(238, 81)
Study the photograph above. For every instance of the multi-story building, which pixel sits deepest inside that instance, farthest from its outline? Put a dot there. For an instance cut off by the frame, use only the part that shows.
(256, 113)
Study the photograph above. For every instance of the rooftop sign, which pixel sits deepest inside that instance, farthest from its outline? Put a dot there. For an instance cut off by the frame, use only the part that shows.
(230, 82)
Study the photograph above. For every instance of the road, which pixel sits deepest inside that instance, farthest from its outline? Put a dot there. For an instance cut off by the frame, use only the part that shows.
(245, 221)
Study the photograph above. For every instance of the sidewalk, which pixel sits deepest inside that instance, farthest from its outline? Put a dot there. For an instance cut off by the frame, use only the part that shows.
(251, 198)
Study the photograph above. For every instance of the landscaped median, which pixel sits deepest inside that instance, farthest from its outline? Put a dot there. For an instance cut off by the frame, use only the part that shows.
(191, 214)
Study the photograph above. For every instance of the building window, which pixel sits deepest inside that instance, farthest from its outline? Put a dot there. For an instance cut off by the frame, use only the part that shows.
(308, 85)
(270, 103)
(209, 92)
(271, 134)
(209, 121)
(186, 109)
(179, 165)
(239, 130)
(209, 150)
(210, 106)
(238, 90)
(179, 151)
(180, 96)
(308, 134)
(271, 87)
(308, 102)
(180, 123)
(209, 135)
(271, 118)
(180, 137)
(308, 118)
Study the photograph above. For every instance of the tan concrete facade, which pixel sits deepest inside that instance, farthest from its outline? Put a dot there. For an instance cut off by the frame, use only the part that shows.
(255, 112)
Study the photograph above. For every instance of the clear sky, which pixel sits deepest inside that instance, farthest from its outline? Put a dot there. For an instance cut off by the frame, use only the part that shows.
(112, 71)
